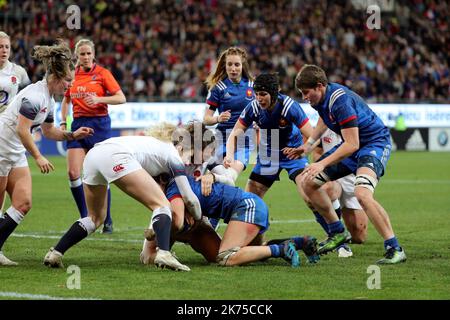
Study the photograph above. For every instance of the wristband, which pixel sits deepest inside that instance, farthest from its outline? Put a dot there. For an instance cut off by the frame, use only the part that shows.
(310, 141)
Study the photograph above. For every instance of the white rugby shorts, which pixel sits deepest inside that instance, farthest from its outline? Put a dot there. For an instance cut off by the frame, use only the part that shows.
(348, 199)
(106, 163)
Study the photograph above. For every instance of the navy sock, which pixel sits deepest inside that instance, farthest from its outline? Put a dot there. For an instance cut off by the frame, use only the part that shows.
(391, 243)
(338, 212)
(7, 226)
(78, 196)
(108, 219)
(277, 250)
(335, 227)
(162, 225)
(299, 241)
(214, 222)
(322, 222)
(75, 234)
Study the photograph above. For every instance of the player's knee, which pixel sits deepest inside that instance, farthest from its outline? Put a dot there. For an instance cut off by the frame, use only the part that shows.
(224, 258)
(23, 206)
(359, 234)
(74, 174)
(364, 196)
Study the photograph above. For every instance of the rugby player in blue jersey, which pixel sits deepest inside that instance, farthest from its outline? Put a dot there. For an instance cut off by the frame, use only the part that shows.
(365, 150)
(246, 216)
(230, 88)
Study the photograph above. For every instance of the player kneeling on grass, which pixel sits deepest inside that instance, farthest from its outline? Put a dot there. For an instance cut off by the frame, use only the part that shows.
(130, 163)
(247, 217)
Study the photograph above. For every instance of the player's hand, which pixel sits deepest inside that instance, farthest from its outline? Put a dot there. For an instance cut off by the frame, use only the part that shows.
(207, 182)
(227, 162)
(293, 153)
(83, 132)
(91, 100)
(44, 165)
(312, 170)
(63, 127)
(224, 116)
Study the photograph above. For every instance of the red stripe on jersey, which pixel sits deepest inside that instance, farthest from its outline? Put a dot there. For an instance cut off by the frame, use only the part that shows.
(303, 123)
(212, 103)
(347, 120)
(174, 197)
(243, 122)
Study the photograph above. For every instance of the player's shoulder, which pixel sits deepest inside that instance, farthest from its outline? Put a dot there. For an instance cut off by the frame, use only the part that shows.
(221, 85)
(287, 103)
(338, 94)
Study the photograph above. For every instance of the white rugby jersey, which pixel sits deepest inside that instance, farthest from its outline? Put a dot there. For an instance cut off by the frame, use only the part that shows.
(12, 77)
(329, 139)
(155, 156)
(33, 102)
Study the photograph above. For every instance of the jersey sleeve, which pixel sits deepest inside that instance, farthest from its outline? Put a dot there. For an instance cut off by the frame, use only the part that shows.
(249, 114)
(29, 109)
(176, 165)
(296, 115)
(24, 79)
(110, 82)
(172, 191)
(50, 117)
(213, 98)
(344, 112)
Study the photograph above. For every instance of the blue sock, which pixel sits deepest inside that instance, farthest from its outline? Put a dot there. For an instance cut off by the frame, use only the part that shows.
(299, 241)
(338, 212)
(321, 221)
(108, 219)
(277, 250)
(162, 226)
(391, 243)
(214, 222)
(335, 227)
(76, 187)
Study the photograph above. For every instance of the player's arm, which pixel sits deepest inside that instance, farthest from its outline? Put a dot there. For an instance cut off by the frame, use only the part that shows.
(53, 133)
(24, 132)
(239, 129)
(190, 199)
(116, 98)
(317, 153)
(348, 147)
(64, 111)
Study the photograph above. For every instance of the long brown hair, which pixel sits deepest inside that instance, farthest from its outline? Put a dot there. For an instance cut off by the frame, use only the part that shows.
(220, 72)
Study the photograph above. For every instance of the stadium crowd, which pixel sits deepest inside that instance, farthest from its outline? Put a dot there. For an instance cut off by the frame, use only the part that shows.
(164, 50)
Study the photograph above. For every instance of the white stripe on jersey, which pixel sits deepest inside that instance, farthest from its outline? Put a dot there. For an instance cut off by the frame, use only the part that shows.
(287, 105)
(250, 211)
(339, 92)
(250, 84)
(255, 107)
(221, 85)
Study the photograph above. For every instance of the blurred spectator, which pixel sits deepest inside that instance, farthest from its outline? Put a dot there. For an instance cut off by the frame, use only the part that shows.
(163, 50)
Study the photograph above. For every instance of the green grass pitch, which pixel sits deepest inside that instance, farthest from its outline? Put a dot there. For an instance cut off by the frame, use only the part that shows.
(415, 191)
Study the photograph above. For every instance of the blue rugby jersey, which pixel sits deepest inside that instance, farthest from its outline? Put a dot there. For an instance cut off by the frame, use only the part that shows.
(227, 95)
(342, 108)
(287, 118)
(219, 204)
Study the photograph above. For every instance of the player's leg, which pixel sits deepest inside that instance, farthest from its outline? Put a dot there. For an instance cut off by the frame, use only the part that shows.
(366, 181)
(18, 186)
(322, 203)
(261, 179)
(75, 158)
(142, 187)
(95, 196)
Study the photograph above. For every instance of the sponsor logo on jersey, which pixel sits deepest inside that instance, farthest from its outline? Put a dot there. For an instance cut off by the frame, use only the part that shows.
(44, 110)
(327, 139)
(118, 168)
(14, 80)
(227, 95)
(94, 77)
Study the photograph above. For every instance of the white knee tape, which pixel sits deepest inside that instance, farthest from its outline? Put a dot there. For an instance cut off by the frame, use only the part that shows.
(161, 211)
(87, 224)
(321, 178)
(366, 181)
(223, 256)
(15, 214)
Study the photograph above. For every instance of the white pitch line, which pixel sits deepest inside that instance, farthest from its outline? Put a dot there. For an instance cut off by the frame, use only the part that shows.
(38, 296)
(47, 236)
